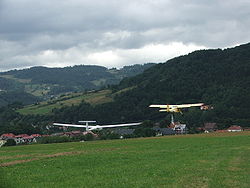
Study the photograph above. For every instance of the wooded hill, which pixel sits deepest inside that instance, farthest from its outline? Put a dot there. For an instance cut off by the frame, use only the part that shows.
(39, 83)
(217, 77)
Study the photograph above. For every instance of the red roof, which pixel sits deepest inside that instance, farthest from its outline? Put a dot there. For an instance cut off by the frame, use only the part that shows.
(234, 127)
(76, 132)
(221, 131)
(36, 135)
(18, 136)
(22, 135)
(210, 125)
(28, 137)
(8, 135)
(45, 135)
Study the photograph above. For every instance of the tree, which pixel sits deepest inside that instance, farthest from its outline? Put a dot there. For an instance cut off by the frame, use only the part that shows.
(10, 142)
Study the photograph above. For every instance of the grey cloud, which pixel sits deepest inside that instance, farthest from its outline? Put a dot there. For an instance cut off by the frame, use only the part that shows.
(29, 27)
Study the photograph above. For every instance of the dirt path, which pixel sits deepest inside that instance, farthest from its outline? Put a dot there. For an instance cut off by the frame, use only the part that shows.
(39, 157)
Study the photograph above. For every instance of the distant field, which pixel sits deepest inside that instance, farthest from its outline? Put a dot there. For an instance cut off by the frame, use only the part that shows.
(205, 160)
(94, 98)
(37, 89)
(25, 81)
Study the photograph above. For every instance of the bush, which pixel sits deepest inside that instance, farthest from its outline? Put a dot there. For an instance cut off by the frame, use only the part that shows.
(10, 142)
(144, 132)
(88, 137)
(54, 139)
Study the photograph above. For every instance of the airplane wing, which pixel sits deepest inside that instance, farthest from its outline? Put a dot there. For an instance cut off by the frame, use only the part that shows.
(188, 105)
(163, 110)
(175, 105)
(118, 125)
(159, 106)
(70, 125)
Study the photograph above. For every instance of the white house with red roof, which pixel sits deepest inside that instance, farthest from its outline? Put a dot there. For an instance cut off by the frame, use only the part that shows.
(21, 138)
(234, 128)
(7, 136)
(29, 139)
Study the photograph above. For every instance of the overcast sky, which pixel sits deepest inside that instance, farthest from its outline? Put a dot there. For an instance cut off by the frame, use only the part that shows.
(114, 33)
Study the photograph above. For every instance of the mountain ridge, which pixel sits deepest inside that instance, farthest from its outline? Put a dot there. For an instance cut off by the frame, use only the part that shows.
(44, 82)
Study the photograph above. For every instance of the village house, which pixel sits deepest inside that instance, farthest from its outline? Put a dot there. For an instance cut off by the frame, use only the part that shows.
(221, 131)
(178, 127)
(210, 127)
(36, 135)
(163, 131)
(89, 132)
(21, 138)
(7, 136)
(29, 139)
(234, 128)
(2, 142)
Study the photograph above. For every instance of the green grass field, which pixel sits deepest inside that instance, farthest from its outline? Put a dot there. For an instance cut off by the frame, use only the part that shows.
(205, 160)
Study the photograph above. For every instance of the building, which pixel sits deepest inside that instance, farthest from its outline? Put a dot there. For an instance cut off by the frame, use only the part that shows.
(221, 131)
(163, 131)
(2, 142)
(7, 136)
(90, 132)
(178, 127)
(29, 139)
(36, 135)
(21, 138)
(210, 127)
(234, 128)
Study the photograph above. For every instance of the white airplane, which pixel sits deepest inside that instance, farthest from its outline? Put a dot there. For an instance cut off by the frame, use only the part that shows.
(175, 107)
(95, 127)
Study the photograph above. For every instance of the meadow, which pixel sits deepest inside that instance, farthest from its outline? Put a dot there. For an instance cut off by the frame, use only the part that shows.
(46, 107)
(202, 160)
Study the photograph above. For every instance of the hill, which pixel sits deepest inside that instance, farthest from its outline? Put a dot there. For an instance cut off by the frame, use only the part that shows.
(71, 99)
(217, 77)
(44, 83)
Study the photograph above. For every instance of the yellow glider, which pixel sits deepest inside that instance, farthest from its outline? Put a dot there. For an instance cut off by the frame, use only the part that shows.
(174, 107)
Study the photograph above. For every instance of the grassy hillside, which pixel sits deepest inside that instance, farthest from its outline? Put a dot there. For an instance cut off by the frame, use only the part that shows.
(46, 107)
(214, 160)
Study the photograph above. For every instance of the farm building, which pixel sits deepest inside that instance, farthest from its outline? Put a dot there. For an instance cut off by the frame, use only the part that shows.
(210, 127)
(163, 131)
(234, 128)
(178, 127)
(20, 139)
(7, 136)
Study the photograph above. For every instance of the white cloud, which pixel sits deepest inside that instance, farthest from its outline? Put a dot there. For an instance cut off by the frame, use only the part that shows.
(110, 58)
